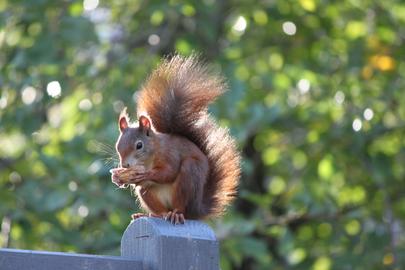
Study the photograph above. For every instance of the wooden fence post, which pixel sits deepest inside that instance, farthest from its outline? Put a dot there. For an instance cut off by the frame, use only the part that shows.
(162, 245)
(17, 259)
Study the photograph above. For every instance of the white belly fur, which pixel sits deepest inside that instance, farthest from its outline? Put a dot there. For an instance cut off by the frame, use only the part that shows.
(164, 193)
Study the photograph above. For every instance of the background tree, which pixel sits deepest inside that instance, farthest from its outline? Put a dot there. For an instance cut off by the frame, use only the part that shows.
(317, 104)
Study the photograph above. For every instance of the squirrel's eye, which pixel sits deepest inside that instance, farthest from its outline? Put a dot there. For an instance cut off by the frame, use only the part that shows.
(139, 145)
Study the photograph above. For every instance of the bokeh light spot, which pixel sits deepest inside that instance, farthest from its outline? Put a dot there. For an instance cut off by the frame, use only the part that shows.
(118, 105)
(15, 177)
(3, 102)
(54, 89)
(242, 73)
(240, 24)
(153, 39)
(277, 185)
(271, 155)
(28, 95)
(383, 62)
(388, 259)
(299, 160)
(90, 4)
(303, 86)
(297, 256)
(339, 97)
(157, 17)
(183, 46)
(322, 263)
(72, 186)
(85, 104)
(308, 5)
(325, 168)
(83, 211)
(276, 61)
(94, 167)
(357, 125)
(188, 10)
(368, 114)
(289, 28)
(355, 29)
(352, 227)
(260, 17)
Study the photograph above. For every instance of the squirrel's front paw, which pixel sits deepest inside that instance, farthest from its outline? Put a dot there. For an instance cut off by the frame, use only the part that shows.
(137, 177)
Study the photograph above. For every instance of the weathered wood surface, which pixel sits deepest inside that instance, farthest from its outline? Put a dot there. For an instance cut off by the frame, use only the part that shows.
(147, 243)
(161, 245)
(14, 259)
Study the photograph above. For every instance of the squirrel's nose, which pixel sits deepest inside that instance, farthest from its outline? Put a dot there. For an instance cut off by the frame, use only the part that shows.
(124, 163)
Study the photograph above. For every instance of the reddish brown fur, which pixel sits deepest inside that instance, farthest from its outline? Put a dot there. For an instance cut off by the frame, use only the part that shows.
(150, 201)
(176, 97)
(183, 170)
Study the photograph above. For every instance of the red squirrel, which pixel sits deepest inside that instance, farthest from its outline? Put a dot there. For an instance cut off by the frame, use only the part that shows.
(180, 162)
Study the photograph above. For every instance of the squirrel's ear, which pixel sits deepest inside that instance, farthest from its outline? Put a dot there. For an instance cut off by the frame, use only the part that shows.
(123, 120)
(144, 124)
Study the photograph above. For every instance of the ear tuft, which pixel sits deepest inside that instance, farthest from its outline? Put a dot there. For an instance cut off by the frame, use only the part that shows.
(145, 124)
(123, 120)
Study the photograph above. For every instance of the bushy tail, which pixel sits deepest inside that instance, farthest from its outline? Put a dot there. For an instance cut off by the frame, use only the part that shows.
(176, 98)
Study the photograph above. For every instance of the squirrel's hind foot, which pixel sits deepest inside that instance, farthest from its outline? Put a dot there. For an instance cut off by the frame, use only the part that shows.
(138, 215)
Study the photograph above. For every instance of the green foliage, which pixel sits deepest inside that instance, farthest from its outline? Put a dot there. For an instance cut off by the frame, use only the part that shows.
(316, 103)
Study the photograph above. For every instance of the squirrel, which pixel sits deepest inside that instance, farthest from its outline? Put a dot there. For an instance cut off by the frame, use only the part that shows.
(180, 162)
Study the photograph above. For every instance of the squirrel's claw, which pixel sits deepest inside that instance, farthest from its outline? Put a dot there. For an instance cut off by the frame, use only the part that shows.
(175, 217)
